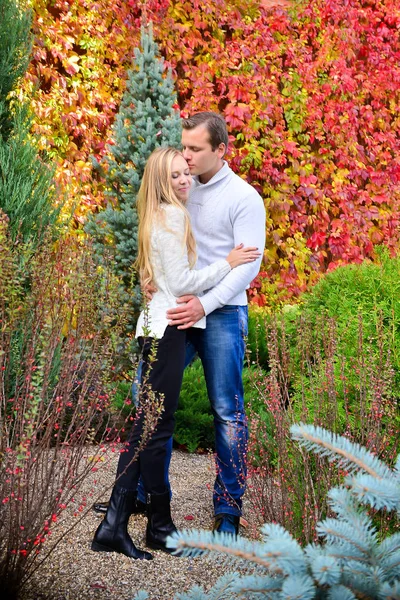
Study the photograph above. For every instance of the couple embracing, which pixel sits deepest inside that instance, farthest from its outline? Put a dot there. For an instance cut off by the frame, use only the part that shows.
(201, 238)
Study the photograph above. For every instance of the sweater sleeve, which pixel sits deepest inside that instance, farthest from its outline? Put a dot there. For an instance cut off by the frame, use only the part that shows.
(248, 221)
(180, 278)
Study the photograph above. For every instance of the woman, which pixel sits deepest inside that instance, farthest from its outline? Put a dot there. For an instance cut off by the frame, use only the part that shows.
(166, 257)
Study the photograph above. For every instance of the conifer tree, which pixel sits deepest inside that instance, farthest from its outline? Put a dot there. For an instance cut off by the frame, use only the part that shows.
(146, 120)
(355, 560)
(26, 181)
(15, 49)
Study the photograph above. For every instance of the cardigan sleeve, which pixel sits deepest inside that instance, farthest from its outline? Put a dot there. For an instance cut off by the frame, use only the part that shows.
(180, 278)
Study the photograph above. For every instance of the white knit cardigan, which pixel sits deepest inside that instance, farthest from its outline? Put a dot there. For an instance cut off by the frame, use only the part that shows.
(172, 274)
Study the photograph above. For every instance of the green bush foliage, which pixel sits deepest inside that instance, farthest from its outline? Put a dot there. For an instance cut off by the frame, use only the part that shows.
(194, 423)
(256, 344)
(360, 305)
(15, 54)
(27, 191)
(369, 292)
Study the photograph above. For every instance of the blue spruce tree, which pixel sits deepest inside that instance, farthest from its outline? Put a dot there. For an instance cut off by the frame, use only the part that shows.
(353, 561)
(146, 120)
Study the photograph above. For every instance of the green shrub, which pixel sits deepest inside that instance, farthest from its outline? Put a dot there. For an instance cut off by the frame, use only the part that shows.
(360, 304)
(122, 400)
(194, 426)
(332, 363)
(28, 195)
(369, 292)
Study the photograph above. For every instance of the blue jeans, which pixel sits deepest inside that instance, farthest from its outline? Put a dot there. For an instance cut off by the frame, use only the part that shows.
(221, 348)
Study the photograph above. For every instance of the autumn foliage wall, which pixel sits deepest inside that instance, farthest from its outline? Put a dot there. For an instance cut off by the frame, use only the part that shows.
(311, 95)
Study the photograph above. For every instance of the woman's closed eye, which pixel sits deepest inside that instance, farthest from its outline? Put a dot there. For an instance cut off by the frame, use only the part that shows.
(176, 175)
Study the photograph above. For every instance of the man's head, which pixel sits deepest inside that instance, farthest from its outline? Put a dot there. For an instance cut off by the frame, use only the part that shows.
(204, 141)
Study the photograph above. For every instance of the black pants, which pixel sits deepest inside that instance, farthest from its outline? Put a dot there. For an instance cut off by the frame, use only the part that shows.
(164, 375)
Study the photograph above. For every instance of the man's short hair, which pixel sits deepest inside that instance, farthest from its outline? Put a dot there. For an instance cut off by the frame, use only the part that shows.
(216, 127)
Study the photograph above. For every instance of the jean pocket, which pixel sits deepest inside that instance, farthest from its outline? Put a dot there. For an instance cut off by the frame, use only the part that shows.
(228, 310)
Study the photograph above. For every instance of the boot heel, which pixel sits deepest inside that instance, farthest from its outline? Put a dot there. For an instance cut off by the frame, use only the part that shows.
(96, 547)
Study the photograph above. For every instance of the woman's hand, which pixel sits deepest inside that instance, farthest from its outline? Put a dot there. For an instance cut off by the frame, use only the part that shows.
(149, 290)
(240, 256)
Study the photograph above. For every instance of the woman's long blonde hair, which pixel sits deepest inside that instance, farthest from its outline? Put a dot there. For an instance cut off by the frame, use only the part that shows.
(156, 190)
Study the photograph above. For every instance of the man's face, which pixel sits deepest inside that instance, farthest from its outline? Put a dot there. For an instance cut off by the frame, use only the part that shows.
(201, 158)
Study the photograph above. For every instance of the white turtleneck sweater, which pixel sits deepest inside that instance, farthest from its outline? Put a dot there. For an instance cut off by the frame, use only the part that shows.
(172, 274)
(225, 212)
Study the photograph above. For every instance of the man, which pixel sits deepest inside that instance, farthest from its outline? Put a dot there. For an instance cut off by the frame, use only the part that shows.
(225, 211)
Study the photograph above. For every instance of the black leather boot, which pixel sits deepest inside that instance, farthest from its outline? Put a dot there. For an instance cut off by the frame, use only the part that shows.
(112, 533)
(159, 524)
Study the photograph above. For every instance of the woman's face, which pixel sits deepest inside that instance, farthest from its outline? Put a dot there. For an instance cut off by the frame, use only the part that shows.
(181, 180)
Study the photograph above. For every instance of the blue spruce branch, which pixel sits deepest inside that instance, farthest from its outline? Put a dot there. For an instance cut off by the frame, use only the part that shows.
(337, 448)
(350, 563)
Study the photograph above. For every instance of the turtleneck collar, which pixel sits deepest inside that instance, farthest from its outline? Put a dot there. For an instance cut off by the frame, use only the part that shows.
(223, 172)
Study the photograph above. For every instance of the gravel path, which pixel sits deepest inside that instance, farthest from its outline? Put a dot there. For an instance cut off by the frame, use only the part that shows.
(74, 572)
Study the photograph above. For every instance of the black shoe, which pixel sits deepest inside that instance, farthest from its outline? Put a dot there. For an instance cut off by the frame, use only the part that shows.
(139, 507)
(100, 507)
(159, 524)
(112, 533)
(225, 523)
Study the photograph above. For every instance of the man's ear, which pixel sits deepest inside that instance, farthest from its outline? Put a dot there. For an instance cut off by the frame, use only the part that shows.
(221, 150)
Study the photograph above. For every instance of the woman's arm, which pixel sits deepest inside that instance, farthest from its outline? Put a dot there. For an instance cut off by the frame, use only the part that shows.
(181, 279)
